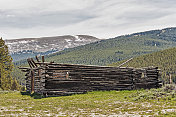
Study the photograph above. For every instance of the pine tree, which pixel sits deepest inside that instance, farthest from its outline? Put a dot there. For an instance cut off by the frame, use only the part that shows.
(6, 67)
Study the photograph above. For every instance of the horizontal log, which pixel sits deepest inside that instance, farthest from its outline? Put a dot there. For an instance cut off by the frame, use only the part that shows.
(87, 70)
(147, 83)
(92, 76)
(124, 81)
(87, 67)
(28, 68)
(117, 78)
(57, 82)
(62, 80)
(97, 73)
(79, 65)
(152, 71)
(56, 76)
(57, 73)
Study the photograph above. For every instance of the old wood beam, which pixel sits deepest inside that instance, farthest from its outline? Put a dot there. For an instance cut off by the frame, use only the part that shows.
(28, 60)
(125, 62)
(32, 81)
(37, 58)
(33, 62)
(43, 59)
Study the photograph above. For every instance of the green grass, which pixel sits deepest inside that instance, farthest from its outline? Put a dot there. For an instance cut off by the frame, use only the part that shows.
(124, 103)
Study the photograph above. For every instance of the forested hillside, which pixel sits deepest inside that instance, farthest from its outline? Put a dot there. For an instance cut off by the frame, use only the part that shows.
(123, 47)
(165, 60)
(6, 66)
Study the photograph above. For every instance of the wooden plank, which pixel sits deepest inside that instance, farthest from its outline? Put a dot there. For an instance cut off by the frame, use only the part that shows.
(39, 72)
(43, 59)
(28, 60)
(99, 73)
(37, 58)
(87, 68)
(125, 62)
(45, 63)
(28, 68)
(32, 81)
(33, 62)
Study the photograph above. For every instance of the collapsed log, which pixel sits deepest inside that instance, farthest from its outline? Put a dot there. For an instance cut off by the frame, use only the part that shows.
(48, 78)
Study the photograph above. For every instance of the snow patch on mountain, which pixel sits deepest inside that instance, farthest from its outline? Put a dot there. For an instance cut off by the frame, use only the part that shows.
(69, 41)
(46, 45)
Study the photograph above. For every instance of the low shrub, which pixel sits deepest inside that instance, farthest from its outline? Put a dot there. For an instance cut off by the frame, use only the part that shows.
(167, 92)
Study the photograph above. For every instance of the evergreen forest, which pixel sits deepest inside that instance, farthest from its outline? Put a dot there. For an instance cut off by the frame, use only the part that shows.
(165, 60)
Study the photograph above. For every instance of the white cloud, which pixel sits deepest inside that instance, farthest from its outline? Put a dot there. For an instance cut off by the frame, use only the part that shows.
(101, 18)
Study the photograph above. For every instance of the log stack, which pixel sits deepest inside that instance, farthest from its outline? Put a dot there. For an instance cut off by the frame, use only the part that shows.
(147, 78)
(65, 79)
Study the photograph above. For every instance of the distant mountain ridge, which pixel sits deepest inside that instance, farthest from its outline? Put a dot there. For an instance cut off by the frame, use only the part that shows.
(168, 34)
(29, 47)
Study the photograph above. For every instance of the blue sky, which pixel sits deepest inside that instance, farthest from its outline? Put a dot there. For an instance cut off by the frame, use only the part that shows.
(100, 18)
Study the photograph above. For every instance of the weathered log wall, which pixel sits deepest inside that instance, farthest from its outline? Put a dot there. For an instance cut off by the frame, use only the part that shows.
(65, 79)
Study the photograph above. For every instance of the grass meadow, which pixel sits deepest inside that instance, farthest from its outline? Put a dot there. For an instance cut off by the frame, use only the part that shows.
(139, 103)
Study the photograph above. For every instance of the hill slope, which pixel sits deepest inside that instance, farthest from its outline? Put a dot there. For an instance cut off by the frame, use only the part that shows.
(165, 60)
(113, 50)
(117, 49)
